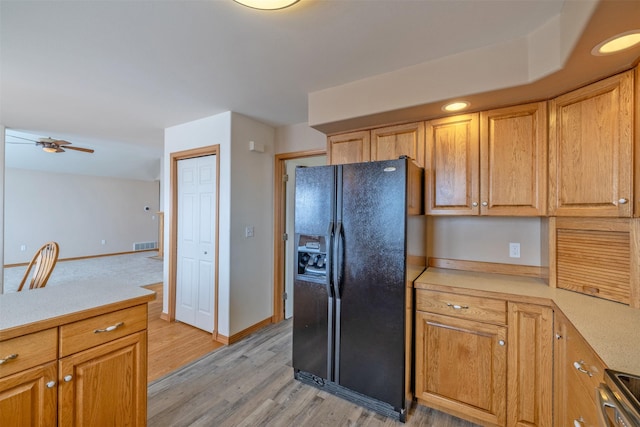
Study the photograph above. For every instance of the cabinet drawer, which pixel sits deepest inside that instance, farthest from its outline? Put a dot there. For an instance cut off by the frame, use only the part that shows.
(581, 404)
(27, 351)
(463, 306)
(581, 358)
(98, 330)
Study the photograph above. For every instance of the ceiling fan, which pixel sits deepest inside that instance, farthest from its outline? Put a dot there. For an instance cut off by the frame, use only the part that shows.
(51, 145)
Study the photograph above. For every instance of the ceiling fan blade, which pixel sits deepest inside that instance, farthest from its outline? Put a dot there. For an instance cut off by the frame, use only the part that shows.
(86, 150)
(61, 142)
(59, 150)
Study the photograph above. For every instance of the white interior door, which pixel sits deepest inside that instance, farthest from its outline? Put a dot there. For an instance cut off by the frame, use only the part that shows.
(195, 274)
(290, 250)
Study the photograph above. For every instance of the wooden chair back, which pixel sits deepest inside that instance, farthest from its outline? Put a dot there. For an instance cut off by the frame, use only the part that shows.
(42, 265)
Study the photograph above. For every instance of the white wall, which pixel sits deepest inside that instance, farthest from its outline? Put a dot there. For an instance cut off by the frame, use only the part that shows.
(76, 211)
(300, 137)
(245, 278)
(2, 145)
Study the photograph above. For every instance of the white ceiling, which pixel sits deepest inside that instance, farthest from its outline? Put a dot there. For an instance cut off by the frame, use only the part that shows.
(113, 74)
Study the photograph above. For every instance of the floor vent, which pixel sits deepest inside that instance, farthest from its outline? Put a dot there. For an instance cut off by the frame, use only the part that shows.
(144, 246)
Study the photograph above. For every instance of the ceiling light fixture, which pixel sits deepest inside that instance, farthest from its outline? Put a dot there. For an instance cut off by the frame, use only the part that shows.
(617, 43)
(267, 4)
(456, 106)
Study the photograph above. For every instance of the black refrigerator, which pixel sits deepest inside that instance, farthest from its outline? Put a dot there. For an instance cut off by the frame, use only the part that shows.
(351, 316)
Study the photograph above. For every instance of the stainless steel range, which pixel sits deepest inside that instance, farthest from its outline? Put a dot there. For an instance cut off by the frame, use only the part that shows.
(619, 398)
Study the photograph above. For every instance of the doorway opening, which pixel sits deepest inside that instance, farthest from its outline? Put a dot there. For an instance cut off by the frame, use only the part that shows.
(284, 175)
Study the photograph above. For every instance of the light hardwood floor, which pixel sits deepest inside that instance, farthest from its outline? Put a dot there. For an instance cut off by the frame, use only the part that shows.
(250, 383)
(172, 344)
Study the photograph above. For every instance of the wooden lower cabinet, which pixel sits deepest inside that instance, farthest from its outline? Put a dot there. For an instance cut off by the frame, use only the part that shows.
(105, 385)
(483, 366)
(578, 371)
(87, 372)
(28, 398)
(461, 367)
(530, 365)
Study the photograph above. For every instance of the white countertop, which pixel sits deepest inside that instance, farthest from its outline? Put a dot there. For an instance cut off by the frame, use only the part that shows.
(48, 307)
(612, 329)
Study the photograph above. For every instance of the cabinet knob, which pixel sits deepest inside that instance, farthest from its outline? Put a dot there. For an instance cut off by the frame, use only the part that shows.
(51, 384)
(558, 336)
(485, 204)
(474, 204)
(501, 342)
(578, 423)
(623, 201)
(67, 378)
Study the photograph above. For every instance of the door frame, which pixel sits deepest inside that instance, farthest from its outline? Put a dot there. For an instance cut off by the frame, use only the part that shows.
(173, 226)
(279, 226)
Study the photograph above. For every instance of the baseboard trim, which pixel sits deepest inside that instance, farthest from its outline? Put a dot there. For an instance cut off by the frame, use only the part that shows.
(240, 335)
(21, 264)
(490, 267)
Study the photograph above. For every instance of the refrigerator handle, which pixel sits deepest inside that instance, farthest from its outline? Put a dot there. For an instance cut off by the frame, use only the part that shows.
(338, 254)
(330, 233)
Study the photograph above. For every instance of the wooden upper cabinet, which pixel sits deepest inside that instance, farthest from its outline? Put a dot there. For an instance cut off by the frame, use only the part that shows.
(513, 160)
(451, 166)
(391, 142)
(352, 147)
(591, 150)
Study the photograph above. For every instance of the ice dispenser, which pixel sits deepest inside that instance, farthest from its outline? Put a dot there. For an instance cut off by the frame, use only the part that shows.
(312, 258)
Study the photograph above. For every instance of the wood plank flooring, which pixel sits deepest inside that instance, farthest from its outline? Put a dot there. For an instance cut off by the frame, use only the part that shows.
(172, 344)
(250, 383)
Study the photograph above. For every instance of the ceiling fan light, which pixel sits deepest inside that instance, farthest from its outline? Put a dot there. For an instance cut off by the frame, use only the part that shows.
(49, 149)
(267, 4)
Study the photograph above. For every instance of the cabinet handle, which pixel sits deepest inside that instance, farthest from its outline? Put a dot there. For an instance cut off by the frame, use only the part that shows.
(67, 378)
(51, 384)
(558, 336)
(485, 204)
(501, 342)
(458, 307)
(474, 204)
(578, 423)
(623, 201)
(9, 358)
(578, 366)
(109, 328)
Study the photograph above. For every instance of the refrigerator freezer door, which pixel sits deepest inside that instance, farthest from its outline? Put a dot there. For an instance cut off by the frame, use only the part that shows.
(313, 301)
(371, 295)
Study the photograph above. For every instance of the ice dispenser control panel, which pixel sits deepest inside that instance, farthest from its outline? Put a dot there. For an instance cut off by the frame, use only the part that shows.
(312, 257)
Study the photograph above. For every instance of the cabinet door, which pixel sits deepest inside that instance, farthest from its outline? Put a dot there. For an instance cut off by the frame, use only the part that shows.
(513, 161)
(530, 365)
(389, 143)
(461, 367)
(591, 150)
(452, 166)
(28, 398)
(353, 147)
(105, 385)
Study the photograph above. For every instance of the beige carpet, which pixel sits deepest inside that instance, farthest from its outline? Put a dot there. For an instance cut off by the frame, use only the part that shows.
(137, 269)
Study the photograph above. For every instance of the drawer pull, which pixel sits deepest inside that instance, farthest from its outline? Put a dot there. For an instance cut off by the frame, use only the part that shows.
(9, 358)
(458, 307)
(623, 201)
(578, 366)
(51, 384)
(578, 423)
(109, 328)
(67, 378)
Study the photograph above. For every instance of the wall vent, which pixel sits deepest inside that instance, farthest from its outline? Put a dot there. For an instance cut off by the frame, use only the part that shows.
(145, 246)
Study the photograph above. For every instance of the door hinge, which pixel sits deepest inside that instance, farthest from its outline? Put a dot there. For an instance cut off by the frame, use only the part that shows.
(285, 178)
(285, 236)
(284, 296)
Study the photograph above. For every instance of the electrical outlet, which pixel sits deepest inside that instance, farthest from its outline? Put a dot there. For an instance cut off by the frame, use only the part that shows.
(514, 250)
(23, 248)
(248, 231)
(103, 242)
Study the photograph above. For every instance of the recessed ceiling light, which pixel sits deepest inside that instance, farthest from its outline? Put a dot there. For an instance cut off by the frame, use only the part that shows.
(456, 106)
(267, 4)
(617, 43)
